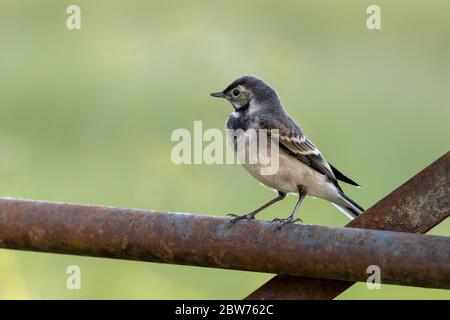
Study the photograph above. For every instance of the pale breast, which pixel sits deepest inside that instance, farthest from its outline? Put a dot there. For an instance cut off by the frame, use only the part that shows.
(290, 172)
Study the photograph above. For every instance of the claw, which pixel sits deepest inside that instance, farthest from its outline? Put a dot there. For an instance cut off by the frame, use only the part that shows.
(242, 217)
(282, 222)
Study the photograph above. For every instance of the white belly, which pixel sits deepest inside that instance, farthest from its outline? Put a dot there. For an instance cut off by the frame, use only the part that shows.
(291, 174)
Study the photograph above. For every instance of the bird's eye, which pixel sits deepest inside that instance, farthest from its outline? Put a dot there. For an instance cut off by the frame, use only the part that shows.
(236, 92)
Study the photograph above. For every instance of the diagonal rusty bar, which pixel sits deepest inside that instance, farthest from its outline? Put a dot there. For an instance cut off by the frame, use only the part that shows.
(416, 206)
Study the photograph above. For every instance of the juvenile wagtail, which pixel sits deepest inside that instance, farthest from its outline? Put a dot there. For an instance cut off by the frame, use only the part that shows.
(302, 168)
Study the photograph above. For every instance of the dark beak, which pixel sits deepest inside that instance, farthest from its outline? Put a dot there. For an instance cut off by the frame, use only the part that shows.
(218, 94)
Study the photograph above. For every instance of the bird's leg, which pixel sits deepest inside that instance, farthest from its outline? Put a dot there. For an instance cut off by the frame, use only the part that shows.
(251, 215)
(290, 218)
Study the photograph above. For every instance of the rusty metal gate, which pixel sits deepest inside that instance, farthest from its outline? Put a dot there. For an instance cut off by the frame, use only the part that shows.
(312, 262)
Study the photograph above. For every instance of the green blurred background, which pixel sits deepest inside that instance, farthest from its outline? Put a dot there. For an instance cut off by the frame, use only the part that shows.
(86, 117)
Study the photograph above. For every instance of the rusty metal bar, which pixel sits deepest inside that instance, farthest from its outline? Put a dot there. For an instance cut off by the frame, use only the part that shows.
(416, 206)
(301, 250)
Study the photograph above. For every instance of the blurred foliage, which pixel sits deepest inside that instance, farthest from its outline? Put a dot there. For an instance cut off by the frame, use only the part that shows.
(86, 117)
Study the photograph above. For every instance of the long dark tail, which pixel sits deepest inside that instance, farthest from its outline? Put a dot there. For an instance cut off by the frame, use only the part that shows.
(349, 207)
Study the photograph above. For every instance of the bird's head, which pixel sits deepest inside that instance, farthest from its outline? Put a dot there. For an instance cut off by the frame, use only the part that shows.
(249, 92)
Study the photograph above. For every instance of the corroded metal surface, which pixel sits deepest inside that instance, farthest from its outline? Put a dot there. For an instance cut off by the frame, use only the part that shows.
(300, 250)
(416, 206)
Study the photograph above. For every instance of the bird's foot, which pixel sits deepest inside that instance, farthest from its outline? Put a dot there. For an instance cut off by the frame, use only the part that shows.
(282, 222)
(237, 218)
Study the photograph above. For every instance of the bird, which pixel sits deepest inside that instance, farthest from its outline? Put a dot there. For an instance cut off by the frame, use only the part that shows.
(302, 169)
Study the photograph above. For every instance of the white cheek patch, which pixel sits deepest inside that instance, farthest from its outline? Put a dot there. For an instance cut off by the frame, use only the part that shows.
(234, 114)
(236, 105)
(252, 107)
